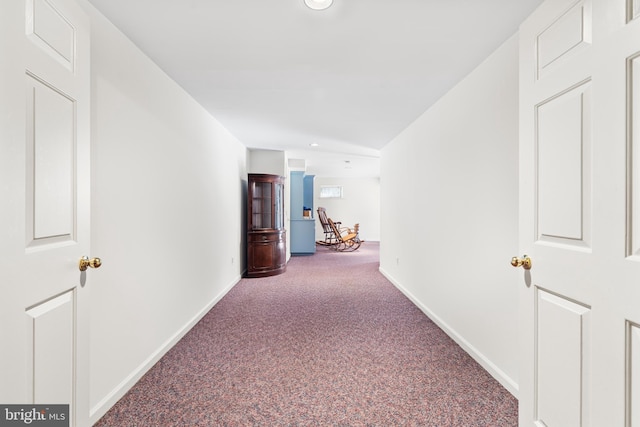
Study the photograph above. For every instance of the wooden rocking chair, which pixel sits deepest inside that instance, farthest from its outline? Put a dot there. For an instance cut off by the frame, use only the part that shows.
(329, 236)
(346, 238)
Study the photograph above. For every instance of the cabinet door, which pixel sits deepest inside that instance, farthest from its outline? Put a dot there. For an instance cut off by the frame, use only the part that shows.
(261, 256)
(278, 206)
(261, 205)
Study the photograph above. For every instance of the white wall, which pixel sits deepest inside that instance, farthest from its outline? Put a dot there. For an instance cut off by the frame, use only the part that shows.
(267, 161)
(167, 210)
(449, 200)
(360, 204)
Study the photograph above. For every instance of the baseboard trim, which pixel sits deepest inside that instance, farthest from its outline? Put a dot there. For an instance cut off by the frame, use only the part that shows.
(121, 389)
(497, 373)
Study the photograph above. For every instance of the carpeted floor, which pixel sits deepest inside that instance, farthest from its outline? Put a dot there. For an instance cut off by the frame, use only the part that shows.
(329, 343)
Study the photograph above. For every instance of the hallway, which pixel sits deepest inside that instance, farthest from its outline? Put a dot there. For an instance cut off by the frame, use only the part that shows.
(330, 342)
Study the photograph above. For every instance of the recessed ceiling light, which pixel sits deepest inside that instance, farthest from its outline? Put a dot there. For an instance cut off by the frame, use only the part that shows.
(318, 4)
(313, 144)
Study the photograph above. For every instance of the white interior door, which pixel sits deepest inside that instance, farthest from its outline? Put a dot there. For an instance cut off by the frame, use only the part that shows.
(44, 182)
(579, 214)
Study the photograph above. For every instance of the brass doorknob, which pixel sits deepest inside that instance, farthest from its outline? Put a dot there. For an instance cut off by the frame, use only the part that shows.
(85, 262)
(524, 262)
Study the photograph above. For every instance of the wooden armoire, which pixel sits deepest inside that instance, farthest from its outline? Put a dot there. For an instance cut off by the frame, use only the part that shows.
(266, 236)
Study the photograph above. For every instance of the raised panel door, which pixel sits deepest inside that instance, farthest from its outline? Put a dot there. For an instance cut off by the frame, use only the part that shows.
(578, 198)
(44, 168)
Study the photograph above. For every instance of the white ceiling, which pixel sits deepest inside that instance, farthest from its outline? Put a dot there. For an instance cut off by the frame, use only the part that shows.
(281, 76)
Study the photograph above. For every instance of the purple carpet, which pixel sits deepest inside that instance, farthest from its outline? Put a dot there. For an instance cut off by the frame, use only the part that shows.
(328, 343)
